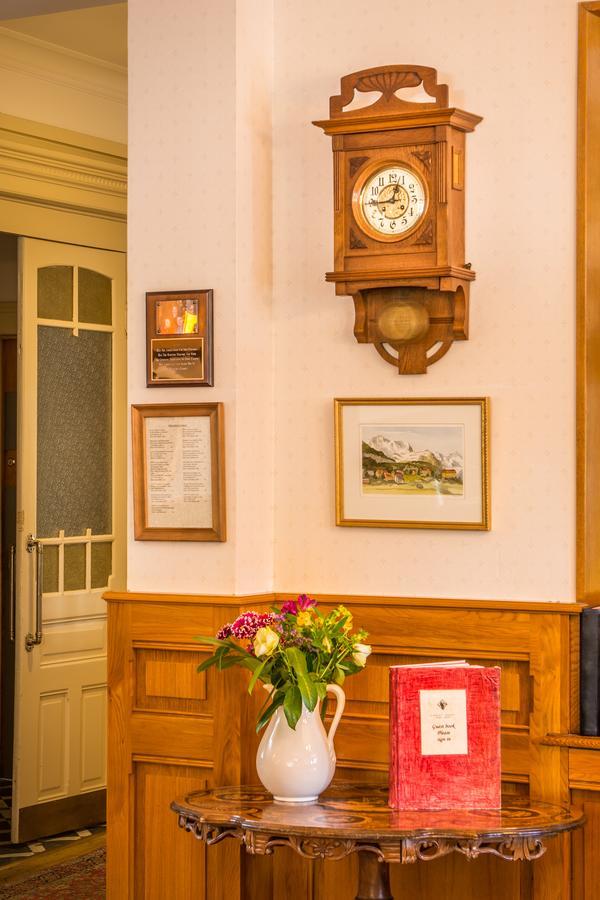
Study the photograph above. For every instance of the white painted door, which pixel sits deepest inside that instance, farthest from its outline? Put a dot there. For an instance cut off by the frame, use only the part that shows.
(71, 520)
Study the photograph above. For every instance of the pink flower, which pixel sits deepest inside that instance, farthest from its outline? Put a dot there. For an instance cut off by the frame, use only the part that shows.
(246, 625)
(305, 602)
(293, 607)
(224, 632)
(290, 607)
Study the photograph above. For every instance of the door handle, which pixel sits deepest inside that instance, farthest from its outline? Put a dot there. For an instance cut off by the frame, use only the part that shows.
(32, 640)
(13, 592)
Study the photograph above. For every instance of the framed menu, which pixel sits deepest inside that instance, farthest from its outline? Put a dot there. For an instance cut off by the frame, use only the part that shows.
(179, 472)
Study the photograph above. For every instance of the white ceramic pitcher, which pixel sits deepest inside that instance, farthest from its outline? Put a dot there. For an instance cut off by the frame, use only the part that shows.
(297, 765)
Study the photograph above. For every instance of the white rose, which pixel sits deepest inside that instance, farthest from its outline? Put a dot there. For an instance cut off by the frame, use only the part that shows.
(265, 641)
(361, 654)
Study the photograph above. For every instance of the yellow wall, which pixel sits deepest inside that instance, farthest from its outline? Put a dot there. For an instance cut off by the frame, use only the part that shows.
(47, 83)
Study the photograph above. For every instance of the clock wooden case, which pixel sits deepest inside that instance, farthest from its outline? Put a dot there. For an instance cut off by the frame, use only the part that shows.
(399, 214)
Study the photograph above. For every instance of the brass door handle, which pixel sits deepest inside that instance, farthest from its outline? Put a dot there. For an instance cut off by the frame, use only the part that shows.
(32, 640)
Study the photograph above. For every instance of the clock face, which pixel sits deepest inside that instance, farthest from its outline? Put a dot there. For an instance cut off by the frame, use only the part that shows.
(392, 202)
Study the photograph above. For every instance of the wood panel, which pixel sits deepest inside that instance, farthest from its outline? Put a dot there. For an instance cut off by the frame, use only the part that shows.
(549, 774)
(169, 725)
(584, 769)
(171, 730)
(164, 865)
(584, 779)
(166, 681)
(588, 309)
(586, 847)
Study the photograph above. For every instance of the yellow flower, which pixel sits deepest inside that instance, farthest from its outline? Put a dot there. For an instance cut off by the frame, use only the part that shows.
(327, 646)
(361, 654)
(346, 612)
(265, 641)
(304, 619)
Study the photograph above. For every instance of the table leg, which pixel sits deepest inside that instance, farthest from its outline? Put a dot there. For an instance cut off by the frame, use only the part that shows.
(373, 878)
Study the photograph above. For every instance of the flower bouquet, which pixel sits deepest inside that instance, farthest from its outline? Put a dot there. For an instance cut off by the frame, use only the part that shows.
(297, 650)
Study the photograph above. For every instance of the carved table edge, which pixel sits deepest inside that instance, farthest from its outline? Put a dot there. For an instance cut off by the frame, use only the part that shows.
(403, 850)
(573, 741)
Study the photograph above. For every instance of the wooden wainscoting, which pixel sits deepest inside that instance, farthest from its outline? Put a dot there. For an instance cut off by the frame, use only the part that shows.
(584, 783)
(171, 730)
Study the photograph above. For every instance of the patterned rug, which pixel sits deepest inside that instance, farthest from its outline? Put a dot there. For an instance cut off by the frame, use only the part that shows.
(81, 879)
(11, 853)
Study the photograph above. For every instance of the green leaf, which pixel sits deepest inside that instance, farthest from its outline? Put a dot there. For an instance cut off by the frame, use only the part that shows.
(249, 662)
(207, 663)
(308, 688)
(339, 676)
(256, 676)
(226, 662)
(324, 707)
(296, 659)
(274, 705)
(321, 690)
(292, 706)
(211, 640)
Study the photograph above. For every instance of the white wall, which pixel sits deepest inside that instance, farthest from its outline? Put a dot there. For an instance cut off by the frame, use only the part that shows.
(201, 87)
(199, 217)
(514, 64)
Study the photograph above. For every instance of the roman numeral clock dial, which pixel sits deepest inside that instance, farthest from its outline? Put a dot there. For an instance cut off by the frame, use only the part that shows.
(399, 214)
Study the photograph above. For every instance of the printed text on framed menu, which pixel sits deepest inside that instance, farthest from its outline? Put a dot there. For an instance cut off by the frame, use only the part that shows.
(178, 472)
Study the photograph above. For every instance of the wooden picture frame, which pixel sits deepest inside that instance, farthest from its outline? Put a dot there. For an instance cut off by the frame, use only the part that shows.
(412, 463)
(179, 338)
(179, 472)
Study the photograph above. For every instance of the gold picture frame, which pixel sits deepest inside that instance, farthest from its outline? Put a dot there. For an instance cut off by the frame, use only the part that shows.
(412, 463)
(178, 472)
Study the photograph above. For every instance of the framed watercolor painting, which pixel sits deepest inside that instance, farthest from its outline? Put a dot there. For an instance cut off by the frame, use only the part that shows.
(412, 463)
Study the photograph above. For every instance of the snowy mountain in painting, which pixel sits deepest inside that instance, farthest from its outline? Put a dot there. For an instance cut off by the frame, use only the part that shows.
(403, 452)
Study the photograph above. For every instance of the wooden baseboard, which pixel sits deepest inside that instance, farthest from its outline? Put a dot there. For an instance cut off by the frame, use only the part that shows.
(66, 814)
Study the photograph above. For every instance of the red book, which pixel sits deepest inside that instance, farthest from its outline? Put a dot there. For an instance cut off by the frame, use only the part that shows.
(444, 737)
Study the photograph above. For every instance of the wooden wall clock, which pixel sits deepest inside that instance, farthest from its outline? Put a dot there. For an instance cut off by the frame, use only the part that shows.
(399, 215)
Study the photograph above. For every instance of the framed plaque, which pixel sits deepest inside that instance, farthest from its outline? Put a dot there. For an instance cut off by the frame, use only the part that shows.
(179, 339)
(178, 472)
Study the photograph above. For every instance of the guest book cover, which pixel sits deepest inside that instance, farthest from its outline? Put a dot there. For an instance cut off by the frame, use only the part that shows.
(590, 671)
(444, 737)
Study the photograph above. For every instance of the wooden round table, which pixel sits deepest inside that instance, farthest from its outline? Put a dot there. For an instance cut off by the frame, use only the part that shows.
(356, 818)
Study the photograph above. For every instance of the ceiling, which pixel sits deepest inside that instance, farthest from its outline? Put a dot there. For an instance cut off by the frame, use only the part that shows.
(100, 32)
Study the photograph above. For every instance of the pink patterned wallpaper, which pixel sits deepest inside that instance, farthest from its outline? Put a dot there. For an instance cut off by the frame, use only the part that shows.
(227, 174)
